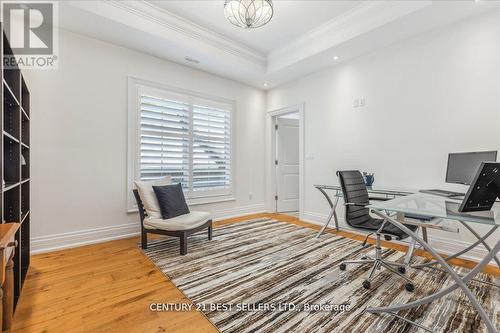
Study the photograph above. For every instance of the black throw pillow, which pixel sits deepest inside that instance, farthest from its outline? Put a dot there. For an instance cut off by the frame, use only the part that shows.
(171, 200)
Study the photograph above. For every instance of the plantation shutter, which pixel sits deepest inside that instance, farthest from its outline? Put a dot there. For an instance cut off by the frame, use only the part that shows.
(211, 146)
(188, 138)
(164, 138)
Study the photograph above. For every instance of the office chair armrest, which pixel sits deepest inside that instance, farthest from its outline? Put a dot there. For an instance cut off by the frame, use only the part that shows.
(356, 204)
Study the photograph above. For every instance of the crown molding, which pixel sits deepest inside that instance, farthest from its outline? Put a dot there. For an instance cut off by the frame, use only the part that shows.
(366, 27)
(189, 29)
(153, 14)
(361, 19)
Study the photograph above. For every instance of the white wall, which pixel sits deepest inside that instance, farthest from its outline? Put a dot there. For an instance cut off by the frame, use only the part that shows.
(425, 97)
(79, 140)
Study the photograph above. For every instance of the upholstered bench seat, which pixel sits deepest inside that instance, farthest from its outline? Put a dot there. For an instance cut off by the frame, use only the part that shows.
(182, 222)
(180, 226)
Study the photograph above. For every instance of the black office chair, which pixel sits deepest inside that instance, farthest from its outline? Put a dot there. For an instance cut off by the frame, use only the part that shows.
(358, 216)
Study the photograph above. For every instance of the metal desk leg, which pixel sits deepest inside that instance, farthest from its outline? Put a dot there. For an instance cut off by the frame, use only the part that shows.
(459, 282)
(328, 219)
(413, 244)
(409, 254)
(481, 240)
(468, 277)
(424, 234)
(335, 214)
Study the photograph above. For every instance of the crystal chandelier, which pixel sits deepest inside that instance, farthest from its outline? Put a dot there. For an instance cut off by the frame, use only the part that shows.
(248, 13)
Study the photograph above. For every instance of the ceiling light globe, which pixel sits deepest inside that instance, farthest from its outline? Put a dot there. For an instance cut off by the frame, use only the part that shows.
(248, 13)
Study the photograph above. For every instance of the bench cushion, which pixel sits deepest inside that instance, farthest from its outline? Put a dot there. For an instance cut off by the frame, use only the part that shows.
(182, 222)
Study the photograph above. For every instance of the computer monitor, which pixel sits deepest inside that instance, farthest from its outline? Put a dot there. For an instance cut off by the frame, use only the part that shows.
(484, 190)
(463, 166)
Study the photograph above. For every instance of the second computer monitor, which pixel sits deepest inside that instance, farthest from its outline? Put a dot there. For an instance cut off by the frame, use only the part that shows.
(462, 167)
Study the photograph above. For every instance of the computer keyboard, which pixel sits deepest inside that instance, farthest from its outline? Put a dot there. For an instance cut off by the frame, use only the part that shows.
(443, 193)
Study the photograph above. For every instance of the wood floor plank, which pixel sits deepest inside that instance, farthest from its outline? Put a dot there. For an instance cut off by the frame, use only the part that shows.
(108, 287)
(101, 293)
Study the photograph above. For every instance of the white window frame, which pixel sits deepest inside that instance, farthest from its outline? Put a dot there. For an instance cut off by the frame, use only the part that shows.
(135, 87)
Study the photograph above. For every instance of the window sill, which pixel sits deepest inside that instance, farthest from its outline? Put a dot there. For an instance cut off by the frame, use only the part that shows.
(209, 200)
(200, 201)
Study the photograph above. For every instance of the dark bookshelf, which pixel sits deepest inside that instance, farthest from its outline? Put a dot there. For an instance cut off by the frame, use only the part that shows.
(15, 153)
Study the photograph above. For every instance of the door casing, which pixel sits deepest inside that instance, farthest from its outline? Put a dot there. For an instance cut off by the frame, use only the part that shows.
(271, 155)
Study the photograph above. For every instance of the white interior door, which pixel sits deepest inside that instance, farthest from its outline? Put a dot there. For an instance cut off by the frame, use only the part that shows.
(287, 168)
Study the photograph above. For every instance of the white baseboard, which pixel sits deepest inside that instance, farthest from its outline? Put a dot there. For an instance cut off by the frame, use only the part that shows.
(442, 245)
(78, 238)
(222, 214)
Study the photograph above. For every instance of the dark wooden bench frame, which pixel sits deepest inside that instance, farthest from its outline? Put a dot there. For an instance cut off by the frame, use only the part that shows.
(181, 234)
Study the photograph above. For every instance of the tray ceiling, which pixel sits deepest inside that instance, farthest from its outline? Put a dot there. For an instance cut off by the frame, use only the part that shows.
(302, 37)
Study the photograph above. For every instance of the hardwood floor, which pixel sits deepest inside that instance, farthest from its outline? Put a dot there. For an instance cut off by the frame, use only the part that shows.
(109, 287)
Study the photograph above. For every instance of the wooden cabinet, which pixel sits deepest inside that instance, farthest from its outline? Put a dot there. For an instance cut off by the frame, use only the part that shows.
(8, 245)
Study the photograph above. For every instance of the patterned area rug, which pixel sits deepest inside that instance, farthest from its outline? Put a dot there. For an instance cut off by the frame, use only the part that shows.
(269, 276)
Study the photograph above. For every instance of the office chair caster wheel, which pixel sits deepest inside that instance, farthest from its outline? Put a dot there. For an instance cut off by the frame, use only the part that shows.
(401, 269)
(342, 267)
(364, 258)
(410, 287)
(366, 284)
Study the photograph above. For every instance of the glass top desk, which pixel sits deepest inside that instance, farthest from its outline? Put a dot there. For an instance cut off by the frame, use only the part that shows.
(436, 208)
(335, 191)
